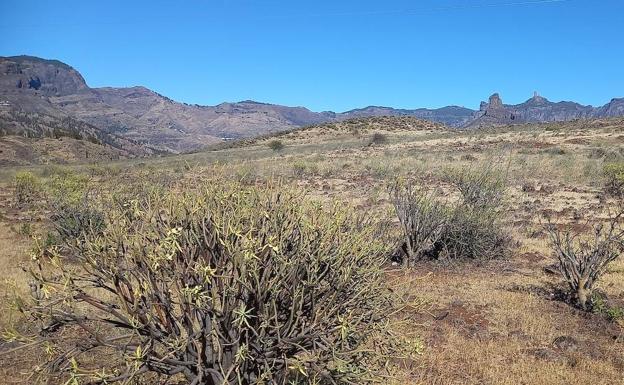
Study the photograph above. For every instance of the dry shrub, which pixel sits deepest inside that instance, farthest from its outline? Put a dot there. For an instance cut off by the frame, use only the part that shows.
(470, 228)
(73, 210)
(474, 233)
(479, 188)
(584, 258)
(72, 219)
(422, 218)
(233, 285)
(276, 145)
(378, 138)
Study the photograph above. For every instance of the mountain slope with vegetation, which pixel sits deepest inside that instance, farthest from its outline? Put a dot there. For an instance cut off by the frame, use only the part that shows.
(49, 87)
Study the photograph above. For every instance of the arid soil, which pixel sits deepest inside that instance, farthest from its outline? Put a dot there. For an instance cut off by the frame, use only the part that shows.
(498, 322)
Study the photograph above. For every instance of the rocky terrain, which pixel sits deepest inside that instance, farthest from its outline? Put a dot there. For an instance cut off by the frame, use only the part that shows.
(540, 110)
(138, 121)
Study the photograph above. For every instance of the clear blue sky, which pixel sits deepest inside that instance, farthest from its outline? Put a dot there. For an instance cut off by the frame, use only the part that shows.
(331, 55)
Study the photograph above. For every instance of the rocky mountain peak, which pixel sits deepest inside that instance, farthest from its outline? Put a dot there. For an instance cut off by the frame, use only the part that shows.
(493, 111)
(537, 100)
(495, 101)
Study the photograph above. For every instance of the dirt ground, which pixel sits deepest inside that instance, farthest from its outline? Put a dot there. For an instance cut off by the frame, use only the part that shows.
(498, 322)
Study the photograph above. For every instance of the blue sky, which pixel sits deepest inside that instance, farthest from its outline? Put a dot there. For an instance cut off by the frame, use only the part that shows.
(332, 55)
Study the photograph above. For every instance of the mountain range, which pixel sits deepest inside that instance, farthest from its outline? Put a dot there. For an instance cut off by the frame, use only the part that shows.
(40, 97)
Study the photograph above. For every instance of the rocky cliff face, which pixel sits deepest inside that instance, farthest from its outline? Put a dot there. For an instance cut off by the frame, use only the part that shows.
(539, 109)
(39, 76)
(494, 112)
(612, 109)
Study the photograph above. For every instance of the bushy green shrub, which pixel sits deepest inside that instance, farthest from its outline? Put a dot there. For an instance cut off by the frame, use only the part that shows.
(73, 212)
(27, 187)
(67, 187)
(233, 285)
(614, 178)
(600, 305)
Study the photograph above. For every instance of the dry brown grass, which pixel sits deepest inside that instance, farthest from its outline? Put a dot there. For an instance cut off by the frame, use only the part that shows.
(488, 323)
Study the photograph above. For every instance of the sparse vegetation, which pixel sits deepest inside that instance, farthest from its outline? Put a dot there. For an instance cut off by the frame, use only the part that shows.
(480, 187)
(422, 218)
(443, 316)
(601, 306)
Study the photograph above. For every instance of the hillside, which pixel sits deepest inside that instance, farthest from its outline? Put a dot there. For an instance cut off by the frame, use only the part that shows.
(34, 85)
(21, 151)
(29, 137)
(49, 87)
(349, 129)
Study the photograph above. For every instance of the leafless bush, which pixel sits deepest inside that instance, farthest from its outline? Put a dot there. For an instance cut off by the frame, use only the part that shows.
(583, 259)
(422, 220)
(378, 138)
(234, 285)
(479, 187)
(470, 228)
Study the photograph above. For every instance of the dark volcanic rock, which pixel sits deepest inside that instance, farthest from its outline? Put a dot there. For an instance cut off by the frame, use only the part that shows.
(495, 102)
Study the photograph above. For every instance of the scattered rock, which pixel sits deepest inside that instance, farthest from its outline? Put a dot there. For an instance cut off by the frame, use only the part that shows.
(546, 354)
(528, 187)
(532, 256)
(566, 343)
(546, 189)
(551, 269)
(519, 335)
